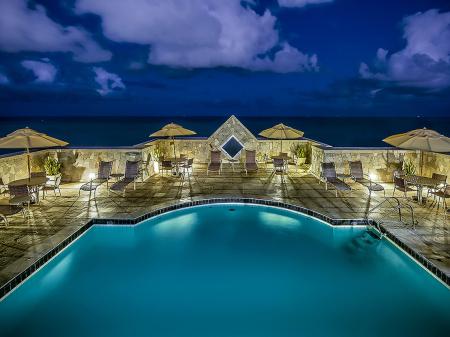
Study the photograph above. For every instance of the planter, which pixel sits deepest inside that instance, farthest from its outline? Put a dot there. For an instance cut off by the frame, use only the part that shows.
(53, 177)
(301, 161)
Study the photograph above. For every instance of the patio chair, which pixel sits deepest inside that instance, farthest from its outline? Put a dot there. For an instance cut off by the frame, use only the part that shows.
(40, 174)
(3, 187)
(250, 161)
(144, 167)
(215, 163)
(187, 167)
(20, 195)
(166, 165)
(131, 174)
(330, 177)
(401, 185)
(103, 175)
(441, 180)
(52, 185)
(9, 210)
(37, 174)
(358, 176)
(278, 165)
(442, 193)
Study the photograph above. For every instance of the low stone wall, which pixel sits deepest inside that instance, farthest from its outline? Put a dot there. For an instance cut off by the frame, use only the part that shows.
(78, 164)
(380, 163)
(13, 167)
(436, 163)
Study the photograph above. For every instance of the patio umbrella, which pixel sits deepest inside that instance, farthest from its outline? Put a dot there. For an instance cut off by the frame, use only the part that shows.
(281, 131)
(29, 139)
(173, 130)
(422, 140)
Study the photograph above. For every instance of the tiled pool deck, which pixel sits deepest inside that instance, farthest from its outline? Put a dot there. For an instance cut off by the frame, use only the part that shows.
(56, 218)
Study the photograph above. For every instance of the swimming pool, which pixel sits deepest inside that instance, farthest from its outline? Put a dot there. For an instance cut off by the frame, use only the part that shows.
(228, 270)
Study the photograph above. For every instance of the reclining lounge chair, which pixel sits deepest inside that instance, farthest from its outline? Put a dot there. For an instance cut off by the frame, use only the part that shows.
(356, 172)
(103, 175)
(250, 161)
(215, 163)
(131, 174)
(330, 177)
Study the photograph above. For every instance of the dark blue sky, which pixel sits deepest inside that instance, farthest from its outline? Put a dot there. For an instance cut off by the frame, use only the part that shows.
(216, 57)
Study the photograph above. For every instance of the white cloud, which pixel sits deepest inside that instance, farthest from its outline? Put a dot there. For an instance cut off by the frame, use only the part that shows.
(301, 3)
(424, 62)
(24, 28)
(108, 82)
(3, 79)
(198, 33)
(44, 72)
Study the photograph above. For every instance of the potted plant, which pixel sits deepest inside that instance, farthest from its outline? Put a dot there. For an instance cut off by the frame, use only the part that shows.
(408, 167)
(299, 153)
(52, 168)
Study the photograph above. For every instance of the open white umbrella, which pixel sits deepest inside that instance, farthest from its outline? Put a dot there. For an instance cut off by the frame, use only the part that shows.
(29, 139)
(422, 140)
(281, 131)
(173, 130)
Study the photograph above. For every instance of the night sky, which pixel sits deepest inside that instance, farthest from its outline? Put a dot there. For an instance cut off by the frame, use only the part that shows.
(218, 57)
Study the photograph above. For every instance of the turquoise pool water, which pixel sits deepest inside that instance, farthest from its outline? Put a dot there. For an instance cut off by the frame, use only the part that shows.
(228, 270)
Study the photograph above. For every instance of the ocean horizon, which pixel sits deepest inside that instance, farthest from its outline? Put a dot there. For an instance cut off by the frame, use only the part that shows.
(115, 131)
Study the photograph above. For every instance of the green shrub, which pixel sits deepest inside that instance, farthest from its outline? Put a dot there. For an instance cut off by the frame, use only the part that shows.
(409, 168)
(52, 166)
(298, 150)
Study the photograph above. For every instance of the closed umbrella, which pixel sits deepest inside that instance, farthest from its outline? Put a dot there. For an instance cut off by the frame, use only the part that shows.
(422, 140)
(173, 130)
(29, 139)
(281, 131)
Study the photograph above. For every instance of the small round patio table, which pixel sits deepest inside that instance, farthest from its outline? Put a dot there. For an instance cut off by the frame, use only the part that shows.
(232, 162)
(33, 184)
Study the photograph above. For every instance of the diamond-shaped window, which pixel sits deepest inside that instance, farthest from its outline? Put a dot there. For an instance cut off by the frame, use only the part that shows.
(232, 147)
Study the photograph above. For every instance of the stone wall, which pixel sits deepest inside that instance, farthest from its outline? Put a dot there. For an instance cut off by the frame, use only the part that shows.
(15, 166)
(379, 163)
(78, 164)
(436, 163)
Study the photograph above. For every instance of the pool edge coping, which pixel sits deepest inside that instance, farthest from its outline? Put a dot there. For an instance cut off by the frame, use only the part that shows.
(14, 282)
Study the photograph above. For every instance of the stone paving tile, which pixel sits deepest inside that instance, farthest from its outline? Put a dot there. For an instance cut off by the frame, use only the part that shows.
(55, 218)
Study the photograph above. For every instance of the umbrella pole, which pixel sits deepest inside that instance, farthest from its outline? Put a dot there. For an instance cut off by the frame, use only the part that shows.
(281, 151)
(421, 162)
(175, 155)
(28, 163)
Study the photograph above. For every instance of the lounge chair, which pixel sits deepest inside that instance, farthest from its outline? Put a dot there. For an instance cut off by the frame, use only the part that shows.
(215, 163)
(356, 173)
(103, 175)
(330, 177)
(250, 161)
(131, 174)
(8, 210)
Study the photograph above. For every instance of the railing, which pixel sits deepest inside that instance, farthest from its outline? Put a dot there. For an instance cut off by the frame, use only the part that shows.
(394, 204)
